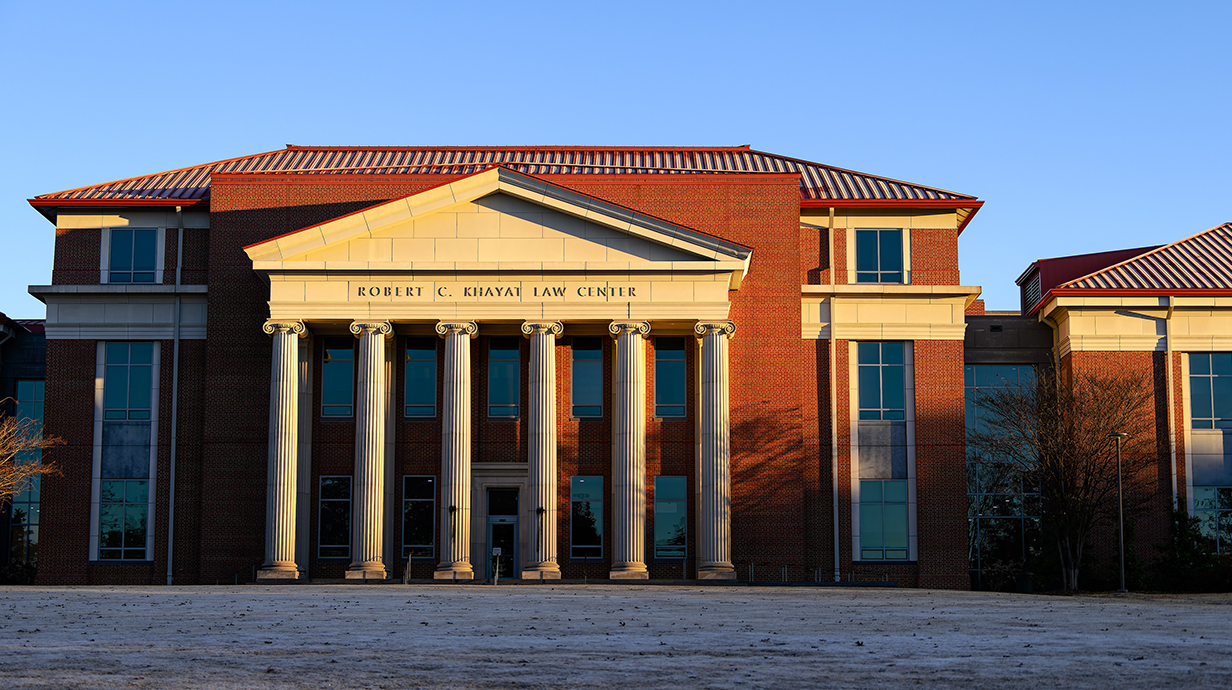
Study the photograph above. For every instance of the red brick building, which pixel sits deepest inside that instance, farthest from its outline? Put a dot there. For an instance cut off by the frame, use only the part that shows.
(628, 363)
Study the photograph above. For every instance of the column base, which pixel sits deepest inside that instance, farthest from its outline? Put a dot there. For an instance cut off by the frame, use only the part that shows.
(366, 573)
(716, 574)
(629, 571)
(541, 574)
(453, 575)
(278, 572)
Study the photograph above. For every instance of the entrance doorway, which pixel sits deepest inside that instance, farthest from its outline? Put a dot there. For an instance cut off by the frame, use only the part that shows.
(503, 531)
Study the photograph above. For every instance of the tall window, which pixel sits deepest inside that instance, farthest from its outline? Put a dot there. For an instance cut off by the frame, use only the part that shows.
(338, 379)
(879, 256)
(24, 518)
(132, 255)
(669, 377)
(421, 377)
(334, 526)
(129, 379)
(670, 513)
(418, 516)
(586, 518)
(1210, 390)
(883, 520)
(882, 380)
(504, 360)
(124, 490)
(587, 377)
(1003, 511)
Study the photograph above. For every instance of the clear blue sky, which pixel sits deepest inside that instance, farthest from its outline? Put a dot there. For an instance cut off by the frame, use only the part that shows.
(1085, 126)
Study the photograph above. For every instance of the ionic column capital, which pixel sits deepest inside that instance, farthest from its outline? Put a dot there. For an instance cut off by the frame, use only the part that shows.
(374, 327)
(273, 326)
(616, 328)
(530, 328)
(703, 328)
(470, 328)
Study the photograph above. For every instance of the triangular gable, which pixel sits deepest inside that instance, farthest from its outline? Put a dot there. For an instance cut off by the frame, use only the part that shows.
(540, 222)
(1203, 261)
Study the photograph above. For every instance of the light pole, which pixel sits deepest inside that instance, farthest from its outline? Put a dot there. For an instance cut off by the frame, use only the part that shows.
(1119, 436)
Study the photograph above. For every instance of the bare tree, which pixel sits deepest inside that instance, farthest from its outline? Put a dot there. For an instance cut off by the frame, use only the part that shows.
(20, 439)
(1054, 434)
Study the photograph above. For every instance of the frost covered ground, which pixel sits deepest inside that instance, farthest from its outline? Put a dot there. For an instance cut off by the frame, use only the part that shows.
(391, 636)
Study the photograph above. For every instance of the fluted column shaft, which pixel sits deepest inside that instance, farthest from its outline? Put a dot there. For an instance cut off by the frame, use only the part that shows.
(283, 439)
(456, 452)
(629, 450)
(714, 528)
(541, 462)
(367, 511)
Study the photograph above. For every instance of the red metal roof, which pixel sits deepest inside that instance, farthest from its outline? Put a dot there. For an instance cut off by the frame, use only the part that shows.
(1201, 262)
(817, 182)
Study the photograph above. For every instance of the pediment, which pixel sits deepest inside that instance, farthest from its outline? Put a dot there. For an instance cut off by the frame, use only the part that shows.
(498, 220)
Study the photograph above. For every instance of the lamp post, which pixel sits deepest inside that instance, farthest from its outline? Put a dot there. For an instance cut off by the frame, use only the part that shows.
(1119, 436)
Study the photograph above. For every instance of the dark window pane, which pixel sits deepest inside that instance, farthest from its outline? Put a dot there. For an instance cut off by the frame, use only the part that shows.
(139, 387)
(337, 381)
(420, 487)
(142, 353)
(871, 534)
(891, 254)
(870, 554)
(1221, 393)
(121, 250)
(335, 523)
(1221, 364)
(671, 488)
(136, 491)
(335, 488)
(669, 382)
(895, 492)
(1199, 363)
(587, 386)
(1200, 397)
(115, 389)
(421, 382)
(503, 386)
(110, 525)
(892, 353)
(587, 528)
(868, 353)
(866, 250)
(143, 249)
(117, 353)
(417, 523)
(134, 527)
(870, 388)
(893, 391)
(895, 517)
(870, 492)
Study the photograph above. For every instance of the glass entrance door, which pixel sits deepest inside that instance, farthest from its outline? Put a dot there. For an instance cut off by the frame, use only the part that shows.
(503, 531)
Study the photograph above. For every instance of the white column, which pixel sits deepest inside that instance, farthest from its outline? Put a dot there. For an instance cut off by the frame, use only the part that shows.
(283, 439)
(541, 561)
(455, 512)
(368, 493)
(629, 451)
(714, 526)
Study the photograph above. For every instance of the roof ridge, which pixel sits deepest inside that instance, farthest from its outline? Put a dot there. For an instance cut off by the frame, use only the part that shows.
(1144, 255)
